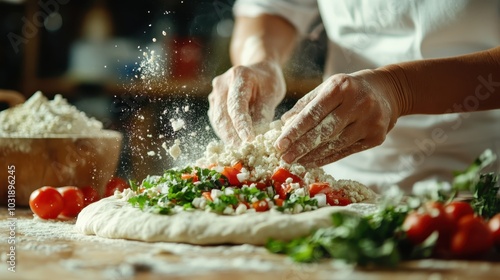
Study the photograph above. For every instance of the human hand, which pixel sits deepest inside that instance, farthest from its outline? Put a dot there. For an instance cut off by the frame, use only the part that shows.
(11, 97)
(344, 115)
(243, 98)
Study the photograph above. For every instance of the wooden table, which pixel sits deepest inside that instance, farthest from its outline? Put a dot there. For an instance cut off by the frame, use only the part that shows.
(52, 250)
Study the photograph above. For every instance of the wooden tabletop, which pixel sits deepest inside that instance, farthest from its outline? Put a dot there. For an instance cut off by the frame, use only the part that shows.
(52, 250)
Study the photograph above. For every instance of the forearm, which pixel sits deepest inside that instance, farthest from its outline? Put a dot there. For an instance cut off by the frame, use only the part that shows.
(457, 84)
(264, 38)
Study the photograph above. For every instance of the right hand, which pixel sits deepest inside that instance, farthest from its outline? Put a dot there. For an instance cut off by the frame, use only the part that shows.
(11, 97)
(243, 98)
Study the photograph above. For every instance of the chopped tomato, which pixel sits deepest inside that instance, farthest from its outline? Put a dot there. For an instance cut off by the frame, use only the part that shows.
(238, 166)
(207, 196)
(282, 174)
(279, 202)
(90, 195)
(116, 183)
(316, 188)
(46, 202)
(282, 189)
(336, 197)
(187, 176)
(260, 206)
(73, 201)
(230, 173)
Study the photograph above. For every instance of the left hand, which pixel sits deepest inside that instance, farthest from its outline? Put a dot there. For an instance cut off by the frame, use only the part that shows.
(344, 115)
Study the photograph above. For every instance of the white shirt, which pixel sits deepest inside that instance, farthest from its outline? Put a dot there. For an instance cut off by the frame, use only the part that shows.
(372, 33)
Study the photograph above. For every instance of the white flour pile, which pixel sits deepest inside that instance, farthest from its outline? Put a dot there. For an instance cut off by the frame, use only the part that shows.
(39, 117)
(261, 159)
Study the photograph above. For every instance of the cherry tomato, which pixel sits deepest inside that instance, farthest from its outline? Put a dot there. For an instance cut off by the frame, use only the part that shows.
(260, 206)
(316, 188)
(231, 174)
(458, 209)
(472, 238)
(46, 203)
(444, 223)
(90, 195)
(116, 183)
(73, 201)
(494, 225)
(282, 189)
(418, 227)
(192, 177)
(336, 197)
(282, 174)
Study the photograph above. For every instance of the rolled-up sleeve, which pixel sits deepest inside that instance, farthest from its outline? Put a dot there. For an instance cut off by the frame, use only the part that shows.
(300, 13)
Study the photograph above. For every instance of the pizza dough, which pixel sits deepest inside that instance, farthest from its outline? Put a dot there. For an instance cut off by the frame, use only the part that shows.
(115, 218)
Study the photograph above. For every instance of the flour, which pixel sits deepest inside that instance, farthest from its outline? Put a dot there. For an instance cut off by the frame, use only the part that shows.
(39, 117)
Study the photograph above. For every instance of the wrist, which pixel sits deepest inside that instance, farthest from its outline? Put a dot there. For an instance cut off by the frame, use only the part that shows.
(395, 82)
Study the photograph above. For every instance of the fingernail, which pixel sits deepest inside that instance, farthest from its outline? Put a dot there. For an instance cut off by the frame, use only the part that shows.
(288, 157)
(283, 144)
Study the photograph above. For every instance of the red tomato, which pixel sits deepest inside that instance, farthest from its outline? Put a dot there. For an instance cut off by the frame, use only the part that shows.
(282, 174)
(444, 223)
(90, 195)
(238, 166)
(260, 206)
(193, 177)
(458, 209)
(279, 202)
(418, 227)
(73, 201)
(336, 197)
(230, 173)
(46, 203)
(116, 183)
(282, 189)
(472, 238)
(494, 225)
(316, 188)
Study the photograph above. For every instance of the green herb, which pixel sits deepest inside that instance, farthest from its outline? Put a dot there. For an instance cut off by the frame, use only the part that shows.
(352, 238)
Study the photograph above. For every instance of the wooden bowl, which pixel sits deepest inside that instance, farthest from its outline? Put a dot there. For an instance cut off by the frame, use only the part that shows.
(27, 164)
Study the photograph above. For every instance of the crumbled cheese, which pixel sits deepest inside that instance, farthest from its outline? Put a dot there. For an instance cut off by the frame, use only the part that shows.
(261, 160)
(321, 198)
(177, 124)
(242, 208)
(174, 151)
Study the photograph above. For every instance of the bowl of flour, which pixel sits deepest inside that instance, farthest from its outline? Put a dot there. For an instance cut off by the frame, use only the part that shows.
(51, 143)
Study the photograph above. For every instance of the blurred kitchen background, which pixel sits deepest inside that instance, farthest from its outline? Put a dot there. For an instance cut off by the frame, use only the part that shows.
(135, 65)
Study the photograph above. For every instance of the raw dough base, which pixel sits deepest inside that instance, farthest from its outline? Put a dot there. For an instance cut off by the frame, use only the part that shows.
(115, 218)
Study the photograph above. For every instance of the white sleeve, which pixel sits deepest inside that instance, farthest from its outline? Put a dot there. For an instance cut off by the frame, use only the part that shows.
(301, 13)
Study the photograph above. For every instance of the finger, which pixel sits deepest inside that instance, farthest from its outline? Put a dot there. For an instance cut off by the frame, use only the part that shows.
(311, 116)
(336, 155)
(218, 115)
(321, 133)
(340, 142)
(238, 101)
(299, 106)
